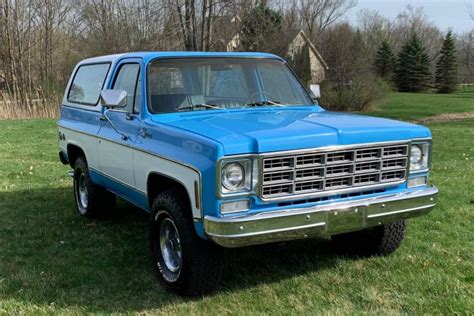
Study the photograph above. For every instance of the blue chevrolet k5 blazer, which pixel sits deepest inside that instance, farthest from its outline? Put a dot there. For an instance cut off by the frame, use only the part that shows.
(230, 150)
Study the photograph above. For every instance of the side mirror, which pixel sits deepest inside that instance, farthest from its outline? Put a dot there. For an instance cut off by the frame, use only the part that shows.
(315, 90)
(113, 98)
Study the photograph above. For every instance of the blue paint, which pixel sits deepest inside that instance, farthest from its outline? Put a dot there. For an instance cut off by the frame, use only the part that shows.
(259, 130)
(133, 196)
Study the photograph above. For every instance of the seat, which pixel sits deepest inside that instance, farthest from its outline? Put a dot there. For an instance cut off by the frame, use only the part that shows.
(166, 103)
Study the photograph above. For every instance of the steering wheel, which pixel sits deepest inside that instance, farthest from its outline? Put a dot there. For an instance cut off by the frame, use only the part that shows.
(268, 96)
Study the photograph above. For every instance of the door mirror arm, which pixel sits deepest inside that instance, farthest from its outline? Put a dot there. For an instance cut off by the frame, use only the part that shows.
(113, 99)
(104, 117)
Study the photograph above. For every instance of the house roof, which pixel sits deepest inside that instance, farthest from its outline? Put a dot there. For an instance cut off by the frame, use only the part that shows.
(292, 34)
(310, 45)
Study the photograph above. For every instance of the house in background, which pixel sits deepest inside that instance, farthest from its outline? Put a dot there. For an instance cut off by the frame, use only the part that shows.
(301, 53)
(227, 37)
(305, 59)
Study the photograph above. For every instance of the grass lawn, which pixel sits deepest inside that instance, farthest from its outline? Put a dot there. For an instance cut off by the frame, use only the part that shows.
(415, 106)
(53, 261)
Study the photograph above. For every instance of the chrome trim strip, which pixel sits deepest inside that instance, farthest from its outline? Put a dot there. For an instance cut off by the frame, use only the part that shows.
(268, 231)
(134, 148)
(333, 148)
(320, 220)
(401, 211)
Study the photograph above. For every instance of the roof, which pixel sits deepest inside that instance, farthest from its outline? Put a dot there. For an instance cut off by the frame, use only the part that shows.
(147, 56)
(311, 46)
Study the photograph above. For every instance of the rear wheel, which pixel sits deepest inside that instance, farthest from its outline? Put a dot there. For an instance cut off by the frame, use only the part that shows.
(381, 240)
(91, 200)
(185, 263)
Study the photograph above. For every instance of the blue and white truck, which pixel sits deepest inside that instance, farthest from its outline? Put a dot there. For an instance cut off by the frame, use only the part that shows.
(231, 150)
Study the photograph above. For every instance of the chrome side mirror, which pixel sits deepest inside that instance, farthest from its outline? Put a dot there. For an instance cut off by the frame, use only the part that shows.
(113, 98)
(315, 90)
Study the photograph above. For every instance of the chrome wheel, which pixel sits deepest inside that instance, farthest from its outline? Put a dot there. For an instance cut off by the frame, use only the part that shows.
(82, 190)
(170, 245)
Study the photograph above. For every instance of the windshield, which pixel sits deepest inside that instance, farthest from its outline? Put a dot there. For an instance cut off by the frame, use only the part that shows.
(216, 83)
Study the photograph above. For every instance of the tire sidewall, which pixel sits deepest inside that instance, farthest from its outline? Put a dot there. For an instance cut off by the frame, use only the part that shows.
(168, 277)
(80, 168)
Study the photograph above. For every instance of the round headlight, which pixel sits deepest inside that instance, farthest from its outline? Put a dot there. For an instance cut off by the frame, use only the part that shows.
(416, 154)
(233, 176)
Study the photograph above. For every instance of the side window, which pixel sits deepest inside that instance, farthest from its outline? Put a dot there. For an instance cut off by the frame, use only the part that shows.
(87, 84)
(127, 79)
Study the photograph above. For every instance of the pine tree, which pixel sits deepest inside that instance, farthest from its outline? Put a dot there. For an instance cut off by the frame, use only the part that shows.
(446, 67)
(413, 72)
(385, 61)
(258, 26)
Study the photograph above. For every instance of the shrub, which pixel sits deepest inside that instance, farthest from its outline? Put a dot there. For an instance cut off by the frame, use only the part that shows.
(358, 95)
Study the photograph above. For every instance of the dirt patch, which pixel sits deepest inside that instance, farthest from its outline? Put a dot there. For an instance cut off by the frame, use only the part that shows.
(447, 117)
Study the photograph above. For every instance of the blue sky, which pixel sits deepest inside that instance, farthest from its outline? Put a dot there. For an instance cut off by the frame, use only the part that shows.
(444, 14)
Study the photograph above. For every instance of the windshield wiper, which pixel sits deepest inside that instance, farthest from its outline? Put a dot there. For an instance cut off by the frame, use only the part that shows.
(200, 105)
(266, 103)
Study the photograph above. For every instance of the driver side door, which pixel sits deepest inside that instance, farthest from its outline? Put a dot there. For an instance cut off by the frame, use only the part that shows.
(115, 147)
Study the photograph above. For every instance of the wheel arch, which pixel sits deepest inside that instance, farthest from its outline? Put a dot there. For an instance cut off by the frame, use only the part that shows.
(74, 151)
(158, 182)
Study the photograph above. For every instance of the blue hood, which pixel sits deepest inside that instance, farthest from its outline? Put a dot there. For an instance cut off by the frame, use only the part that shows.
(270, 129)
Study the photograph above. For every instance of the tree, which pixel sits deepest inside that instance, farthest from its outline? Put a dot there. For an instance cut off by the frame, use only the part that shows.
(413, 68)
(317, 15)
(259, 26)
(350, 83)
(384, 63)
(446, 67)
(465, 49)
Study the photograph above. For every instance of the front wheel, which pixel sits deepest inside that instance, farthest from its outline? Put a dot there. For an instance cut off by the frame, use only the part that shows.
(185, 263)
(380, 240)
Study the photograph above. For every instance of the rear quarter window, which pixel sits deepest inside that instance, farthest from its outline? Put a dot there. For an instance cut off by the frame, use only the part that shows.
(88, 83)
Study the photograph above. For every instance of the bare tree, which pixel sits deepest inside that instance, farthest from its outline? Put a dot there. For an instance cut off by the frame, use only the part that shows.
(317, 15)
(374, 30)
(465, 49)
(18, 40)
(50, 16)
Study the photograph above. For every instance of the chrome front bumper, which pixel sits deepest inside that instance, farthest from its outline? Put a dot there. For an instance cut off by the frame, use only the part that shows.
(324, 220)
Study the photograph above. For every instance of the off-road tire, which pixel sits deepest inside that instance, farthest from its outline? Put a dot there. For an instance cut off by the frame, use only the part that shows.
(99, 201)
(200, 270)
(377, 241)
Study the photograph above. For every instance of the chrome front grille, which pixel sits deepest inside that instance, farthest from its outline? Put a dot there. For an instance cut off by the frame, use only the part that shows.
(324, 172)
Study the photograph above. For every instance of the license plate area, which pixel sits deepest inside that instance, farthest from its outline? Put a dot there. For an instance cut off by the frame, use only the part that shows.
(342, 220)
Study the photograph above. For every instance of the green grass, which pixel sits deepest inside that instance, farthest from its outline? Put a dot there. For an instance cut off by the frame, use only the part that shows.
(415, 106)
(53, 261)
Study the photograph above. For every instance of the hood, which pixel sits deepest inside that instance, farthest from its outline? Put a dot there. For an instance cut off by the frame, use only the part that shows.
(265, 130)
